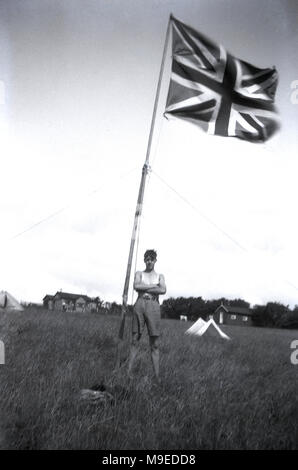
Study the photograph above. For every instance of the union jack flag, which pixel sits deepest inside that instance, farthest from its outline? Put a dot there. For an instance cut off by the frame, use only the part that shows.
(224, 95)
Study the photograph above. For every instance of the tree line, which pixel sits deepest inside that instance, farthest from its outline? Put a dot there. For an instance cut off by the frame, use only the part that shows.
(273, 314)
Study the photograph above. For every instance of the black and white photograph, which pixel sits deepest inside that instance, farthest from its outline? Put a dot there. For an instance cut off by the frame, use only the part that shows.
(148, 198)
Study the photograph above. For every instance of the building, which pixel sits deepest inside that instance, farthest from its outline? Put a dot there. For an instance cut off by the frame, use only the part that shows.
(68, 302)
(227, 315)
(48, 302)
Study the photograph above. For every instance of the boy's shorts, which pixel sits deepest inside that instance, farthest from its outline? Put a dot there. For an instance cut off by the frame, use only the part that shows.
(146, 312)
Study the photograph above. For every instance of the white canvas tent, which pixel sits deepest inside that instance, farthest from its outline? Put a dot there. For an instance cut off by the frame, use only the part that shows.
(8, 302)
(201, 327)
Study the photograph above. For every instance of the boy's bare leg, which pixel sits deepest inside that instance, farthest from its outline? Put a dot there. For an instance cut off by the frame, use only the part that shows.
(155, 355)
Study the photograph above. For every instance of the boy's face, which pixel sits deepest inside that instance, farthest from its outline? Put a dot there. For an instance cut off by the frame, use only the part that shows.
(150, 262)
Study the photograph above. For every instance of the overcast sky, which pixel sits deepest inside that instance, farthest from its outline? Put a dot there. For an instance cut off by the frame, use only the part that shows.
(77, 88)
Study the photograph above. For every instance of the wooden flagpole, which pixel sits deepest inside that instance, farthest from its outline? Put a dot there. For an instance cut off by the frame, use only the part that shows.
(139, 206)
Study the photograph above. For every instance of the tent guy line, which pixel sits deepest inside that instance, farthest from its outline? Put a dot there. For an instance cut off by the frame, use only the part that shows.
(63, 209)
(246, 250)
(199, 212)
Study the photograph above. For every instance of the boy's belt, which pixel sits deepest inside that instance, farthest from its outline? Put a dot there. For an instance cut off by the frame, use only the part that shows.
(147, 296)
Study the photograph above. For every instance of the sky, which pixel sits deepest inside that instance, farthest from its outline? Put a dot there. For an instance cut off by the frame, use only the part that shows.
(77, 87)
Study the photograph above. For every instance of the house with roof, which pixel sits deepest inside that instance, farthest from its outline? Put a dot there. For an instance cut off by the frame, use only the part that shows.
(232, 315)
(48, 302)
(68, 302)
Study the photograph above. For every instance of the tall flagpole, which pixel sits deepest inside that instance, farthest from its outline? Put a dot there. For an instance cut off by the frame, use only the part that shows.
(139, 206)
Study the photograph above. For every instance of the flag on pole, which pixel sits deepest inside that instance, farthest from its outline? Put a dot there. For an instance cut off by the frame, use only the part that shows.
(224, 95)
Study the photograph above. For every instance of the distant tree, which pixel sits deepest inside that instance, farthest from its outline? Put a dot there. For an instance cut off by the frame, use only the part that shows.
(291, 319)
(115, 309)
(276, 313)
(168, 308)
(197, 308)
(99, 302)
(98, 305)
(258, 318)
(192, 307)
(273, 314)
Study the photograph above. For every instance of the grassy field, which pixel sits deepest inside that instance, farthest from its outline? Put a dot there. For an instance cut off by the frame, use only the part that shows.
(215, 394)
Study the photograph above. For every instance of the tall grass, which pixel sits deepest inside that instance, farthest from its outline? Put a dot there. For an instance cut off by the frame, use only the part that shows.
(215, 394)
